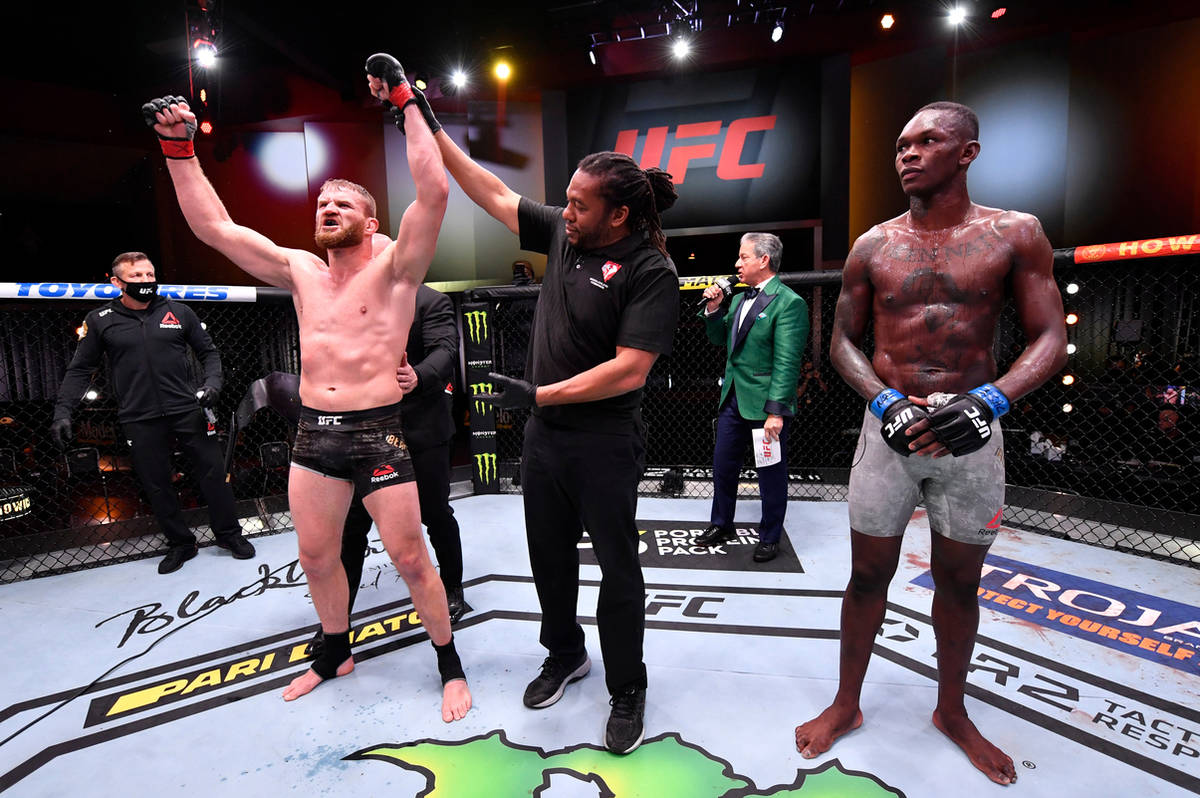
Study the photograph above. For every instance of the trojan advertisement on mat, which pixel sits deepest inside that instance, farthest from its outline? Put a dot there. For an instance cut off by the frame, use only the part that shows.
(743, 146)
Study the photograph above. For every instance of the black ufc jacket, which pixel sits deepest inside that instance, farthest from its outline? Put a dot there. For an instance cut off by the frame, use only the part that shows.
(147, 358)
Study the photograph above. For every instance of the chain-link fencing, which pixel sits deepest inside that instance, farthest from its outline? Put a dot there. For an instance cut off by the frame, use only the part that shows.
(1105, 453)
(65, 510)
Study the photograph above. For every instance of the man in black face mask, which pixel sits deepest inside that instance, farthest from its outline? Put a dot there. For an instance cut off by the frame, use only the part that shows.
(146, 338)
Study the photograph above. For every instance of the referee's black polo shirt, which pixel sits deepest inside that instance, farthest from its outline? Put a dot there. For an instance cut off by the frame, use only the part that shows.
(591, 302)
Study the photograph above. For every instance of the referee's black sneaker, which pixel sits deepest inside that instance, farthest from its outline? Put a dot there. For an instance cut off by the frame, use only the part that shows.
(556, 674)
(625, 731)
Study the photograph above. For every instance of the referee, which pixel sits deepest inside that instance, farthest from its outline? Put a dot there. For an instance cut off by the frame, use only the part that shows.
(146, 338)
(607, 309)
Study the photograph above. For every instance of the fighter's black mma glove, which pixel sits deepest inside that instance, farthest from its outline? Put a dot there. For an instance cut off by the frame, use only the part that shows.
(174, 147)
(207, 396)
(963, 424)
(510, 393)
(388, 69)
(897, 415)
(61, 431)
(423, 106)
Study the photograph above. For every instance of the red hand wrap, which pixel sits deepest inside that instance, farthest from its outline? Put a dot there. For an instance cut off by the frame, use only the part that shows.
(401, 95)
(177, 150)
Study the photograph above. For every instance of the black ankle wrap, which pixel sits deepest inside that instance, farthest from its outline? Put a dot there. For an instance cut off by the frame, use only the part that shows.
(336, 651)
(449, 665)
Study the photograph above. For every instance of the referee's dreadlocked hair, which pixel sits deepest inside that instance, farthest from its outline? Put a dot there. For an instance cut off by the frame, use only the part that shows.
(646, 192)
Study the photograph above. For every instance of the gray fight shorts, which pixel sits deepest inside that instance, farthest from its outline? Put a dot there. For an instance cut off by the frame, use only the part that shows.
(964, 496)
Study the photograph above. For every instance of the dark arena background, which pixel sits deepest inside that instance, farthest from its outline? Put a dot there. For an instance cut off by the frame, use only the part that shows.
(1090, 119)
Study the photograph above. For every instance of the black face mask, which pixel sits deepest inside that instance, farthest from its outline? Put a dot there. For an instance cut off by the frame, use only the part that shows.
(141, 292)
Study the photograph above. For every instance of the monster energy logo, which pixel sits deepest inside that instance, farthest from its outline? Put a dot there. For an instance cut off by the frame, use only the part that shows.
(477, 325)
(485, 464)
(478, 388)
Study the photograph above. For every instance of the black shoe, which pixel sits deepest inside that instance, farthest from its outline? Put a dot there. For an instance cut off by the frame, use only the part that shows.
(238, 546)
(714, 536)
(625, 731)
(548, 687)
(765, 552)
(457, 605)
(176, 557)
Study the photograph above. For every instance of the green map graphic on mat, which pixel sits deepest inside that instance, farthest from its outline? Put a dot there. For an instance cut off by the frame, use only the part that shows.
(665, 766)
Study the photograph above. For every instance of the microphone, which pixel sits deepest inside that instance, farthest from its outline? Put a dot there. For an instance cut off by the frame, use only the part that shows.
(726, 285)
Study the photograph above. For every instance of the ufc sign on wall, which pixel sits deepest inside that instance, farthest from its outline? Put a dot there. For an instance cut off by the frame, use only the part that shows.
(742, 146)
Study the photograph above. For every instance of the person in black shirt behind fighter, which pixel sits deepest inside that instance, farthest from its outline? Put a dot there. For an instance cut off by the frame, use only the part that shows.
(607, 309)
(146, 338)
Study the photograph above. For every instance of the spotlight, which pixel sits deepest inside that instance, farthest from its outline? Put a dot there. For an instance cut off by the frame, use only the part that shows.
(91, 395)
(681, 48)
(957, 16)
(1068, 407)
(1068, 379)
(1070, 349)
(205, 52)
(421, 84)
(204, 96)
(1072, 288)
(502, 70)
(206, 127)
(777, 32)
(592, 55)
(459, 79)
(999, 12)
(887, 21)
(1072, 318)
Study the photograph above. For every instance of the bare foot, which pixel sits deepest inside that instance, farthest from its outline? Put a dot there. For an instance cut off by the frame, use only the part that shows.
(815, 737)
(305, 682)
(994, 763)
(456, 700)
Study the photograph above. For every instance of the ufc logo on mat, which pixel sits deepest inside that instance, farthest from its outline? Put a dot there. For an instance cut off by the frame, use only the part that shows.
(729, 166)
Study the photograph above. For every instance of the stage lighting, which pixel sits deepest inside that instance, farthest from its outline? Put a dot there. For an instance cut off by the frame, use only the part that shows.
(1068, 379)
(502, 70)
(777, 32)
(459, 79)
(1068, 407)
(957, 16)
(206, 127)
(592, 55)
(205, 52)
(1070, 349)
(421, 84)
(91, 395)
(681, 48)
(887, 21)
(1072, 318)
(204, 96)
(1072, 288)
(999, 12)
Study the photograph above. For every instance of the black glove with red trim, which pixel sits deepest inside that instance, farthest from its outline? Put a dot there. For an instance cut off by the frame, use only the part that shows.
(177, 148)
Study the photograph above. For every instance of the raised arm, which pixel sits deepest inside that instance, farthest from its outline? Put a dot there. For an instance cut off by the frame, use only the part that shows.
(852, 316)
(175, 125)
(416, 240)
(1039, 309)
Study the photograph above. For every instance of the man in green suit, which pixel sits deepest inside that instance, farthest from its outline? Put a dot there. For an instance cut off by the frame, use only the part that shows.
(764, 333)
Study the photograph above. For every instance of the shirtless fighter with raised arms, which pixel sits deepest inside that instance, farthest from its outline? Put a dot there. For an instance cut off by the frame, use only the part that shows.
(933, 281)
(354, 315)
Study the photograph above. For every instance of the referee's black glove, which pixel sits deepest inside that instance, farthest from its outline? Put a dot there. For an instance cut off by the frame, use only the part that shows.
(511, 393)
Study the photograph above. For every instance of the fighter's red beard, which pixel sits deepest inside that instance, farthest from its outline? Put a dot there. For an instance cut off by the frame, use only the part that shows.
(340, 237)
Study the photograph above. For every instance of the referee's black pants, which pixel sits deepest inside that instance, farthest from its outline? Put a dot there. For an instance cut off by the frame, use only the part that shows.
(150, 443)
(574, 480)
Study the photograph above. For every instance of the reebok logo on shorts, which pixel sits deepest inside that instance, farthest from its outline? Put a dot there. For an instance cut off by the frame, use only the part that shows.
(993, 526)
(170, 322)
(384, 473)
